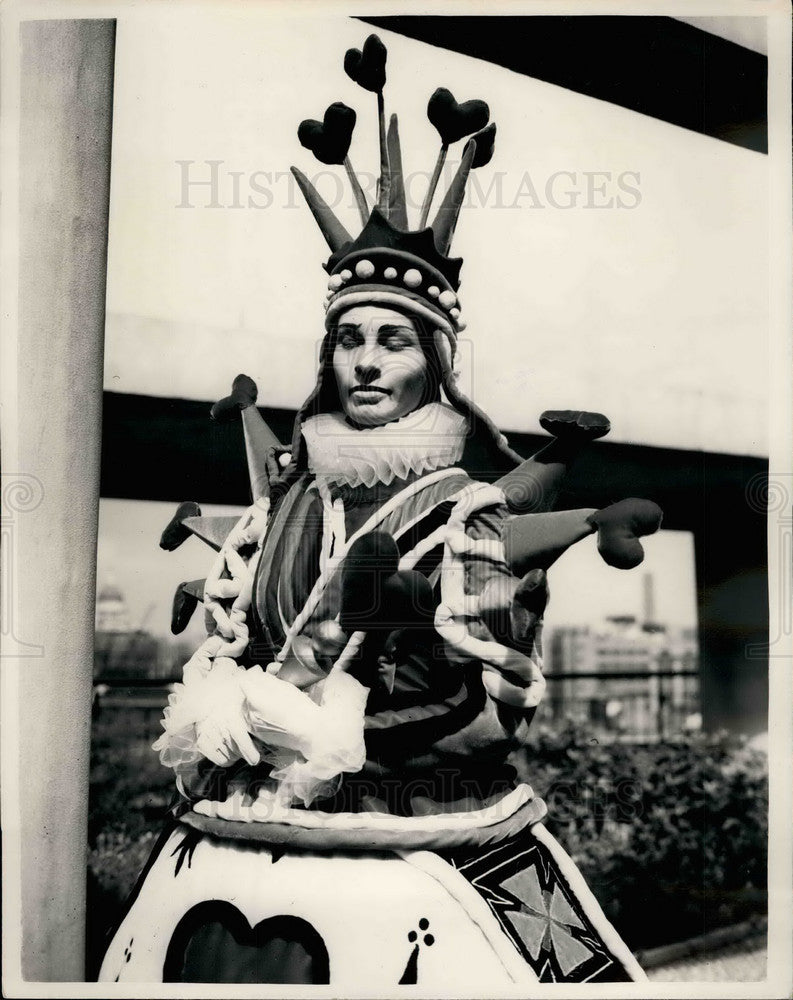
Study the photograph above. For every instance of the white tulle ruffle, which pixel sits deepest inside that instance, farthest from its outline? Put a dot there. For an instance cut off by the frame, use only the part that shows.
(309, 739)
(207, 685)
(432, 437)
(309, 743)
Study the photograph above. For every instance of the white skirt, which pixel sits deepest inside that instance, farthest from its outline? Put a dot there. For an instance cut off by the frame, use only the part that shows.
(384, 917)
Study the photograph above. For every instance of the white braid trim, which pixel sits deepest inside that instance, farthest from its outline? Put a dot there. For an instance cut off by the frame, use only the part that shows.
(456, 606)
(211, 678)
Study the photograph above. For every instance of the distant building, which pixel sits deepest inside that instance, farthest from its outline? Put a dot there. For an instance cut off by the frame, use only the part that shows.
(111, 610)
(624, 678)
(125, 655)
(122, 652)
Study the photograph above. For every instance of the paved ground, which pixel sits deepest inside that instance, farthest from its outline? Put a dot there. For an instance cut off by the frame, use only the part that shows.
(744, 962)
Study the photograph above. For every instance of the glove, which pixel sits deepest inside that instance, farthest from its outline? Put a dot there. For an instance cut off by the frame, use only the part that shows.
(222, 732)
(512, 610)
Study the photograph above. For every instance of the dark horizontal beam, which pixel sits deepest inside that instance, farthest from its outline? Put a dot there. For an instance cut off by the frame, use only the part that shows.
(128, 681)
(657, 66)
(155, 448)
(619, 675)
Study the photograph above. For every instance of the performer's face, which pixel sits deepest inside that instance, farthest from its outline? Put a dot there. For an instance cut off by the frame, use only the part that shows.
(380, 367)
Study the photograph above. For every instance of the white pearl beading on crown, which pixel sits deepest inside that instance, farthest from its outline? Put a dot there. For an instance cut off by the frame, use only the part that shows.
(412, 278)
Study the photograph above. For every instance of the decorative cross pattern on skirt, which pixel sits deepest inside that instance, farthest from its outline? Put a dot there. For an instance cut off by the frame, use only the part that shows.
(531, 900)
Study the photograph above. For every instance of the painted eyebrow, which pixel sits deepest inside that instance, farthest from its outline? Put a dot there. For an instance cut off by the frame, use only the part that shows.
(396, 328)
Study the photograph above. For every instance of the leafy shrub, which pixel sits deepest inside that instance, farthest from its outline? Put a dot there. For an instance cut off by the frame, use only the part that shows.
(672, 837)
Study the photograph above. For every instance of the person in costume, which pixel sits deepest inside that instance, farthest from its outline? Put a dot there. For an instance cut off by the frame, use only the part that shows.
(347, 813)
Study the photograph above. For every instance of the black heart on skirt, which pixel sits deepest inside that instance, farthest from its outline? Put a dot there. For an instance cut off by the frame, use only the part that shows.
(215, 943)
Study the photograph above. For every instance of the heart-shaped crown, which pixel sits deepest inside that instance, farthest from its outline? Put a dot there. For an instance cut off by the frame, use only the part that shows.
(389, 262)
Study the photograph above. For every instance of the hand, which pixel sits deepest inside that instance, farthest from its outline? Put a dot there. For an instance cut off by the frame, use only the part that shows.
(278, 712)
(513, 679)
(221, 730)
(512, 610)
(223, 738)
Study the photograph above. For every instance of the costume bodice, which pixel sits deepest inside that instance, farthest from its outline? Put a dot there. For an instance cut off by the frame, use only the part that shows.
(429, 725)
(290, 562)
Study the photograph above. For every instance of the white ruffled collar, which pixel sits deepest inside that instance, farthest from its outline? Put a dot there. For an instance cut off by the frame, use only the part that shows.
(432, 437)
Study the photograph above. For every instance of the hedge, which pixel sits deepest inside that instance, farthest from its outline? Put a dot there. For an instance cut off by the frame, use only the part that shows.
(672, 836)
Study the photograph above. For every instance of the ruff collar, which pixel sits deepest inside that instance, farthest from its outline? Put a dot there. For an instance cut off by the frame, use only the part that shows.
(432, 437)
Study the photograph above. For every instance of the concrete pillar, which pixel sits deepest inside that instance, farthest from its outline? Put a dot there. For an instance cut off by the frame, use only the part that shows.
(66, 103)
(732, 583)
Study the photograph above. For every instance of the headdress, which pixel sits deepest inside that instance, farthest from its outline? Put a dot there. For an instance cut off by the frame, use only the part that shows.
(412, 270)
(388, 261)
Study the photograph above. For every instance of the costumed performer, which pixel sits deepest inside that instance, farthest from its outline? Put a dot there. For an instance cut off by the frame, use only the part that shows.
(346, 811)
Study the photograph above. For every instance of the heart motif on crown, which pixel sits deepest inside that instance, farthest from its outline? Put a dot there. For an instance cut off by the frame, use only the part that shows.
(367, 67)
(243, 393)
(485, 144)
(329, 140)
(454, 121)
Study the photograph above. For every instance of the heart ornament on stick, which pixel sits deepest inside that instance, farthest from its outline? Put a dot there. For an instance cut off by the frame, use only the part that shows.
(485, 145)
(175, 532)
(367, 67)
(329, 140)
(620, 527)
(243, 394)
(454, 121)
